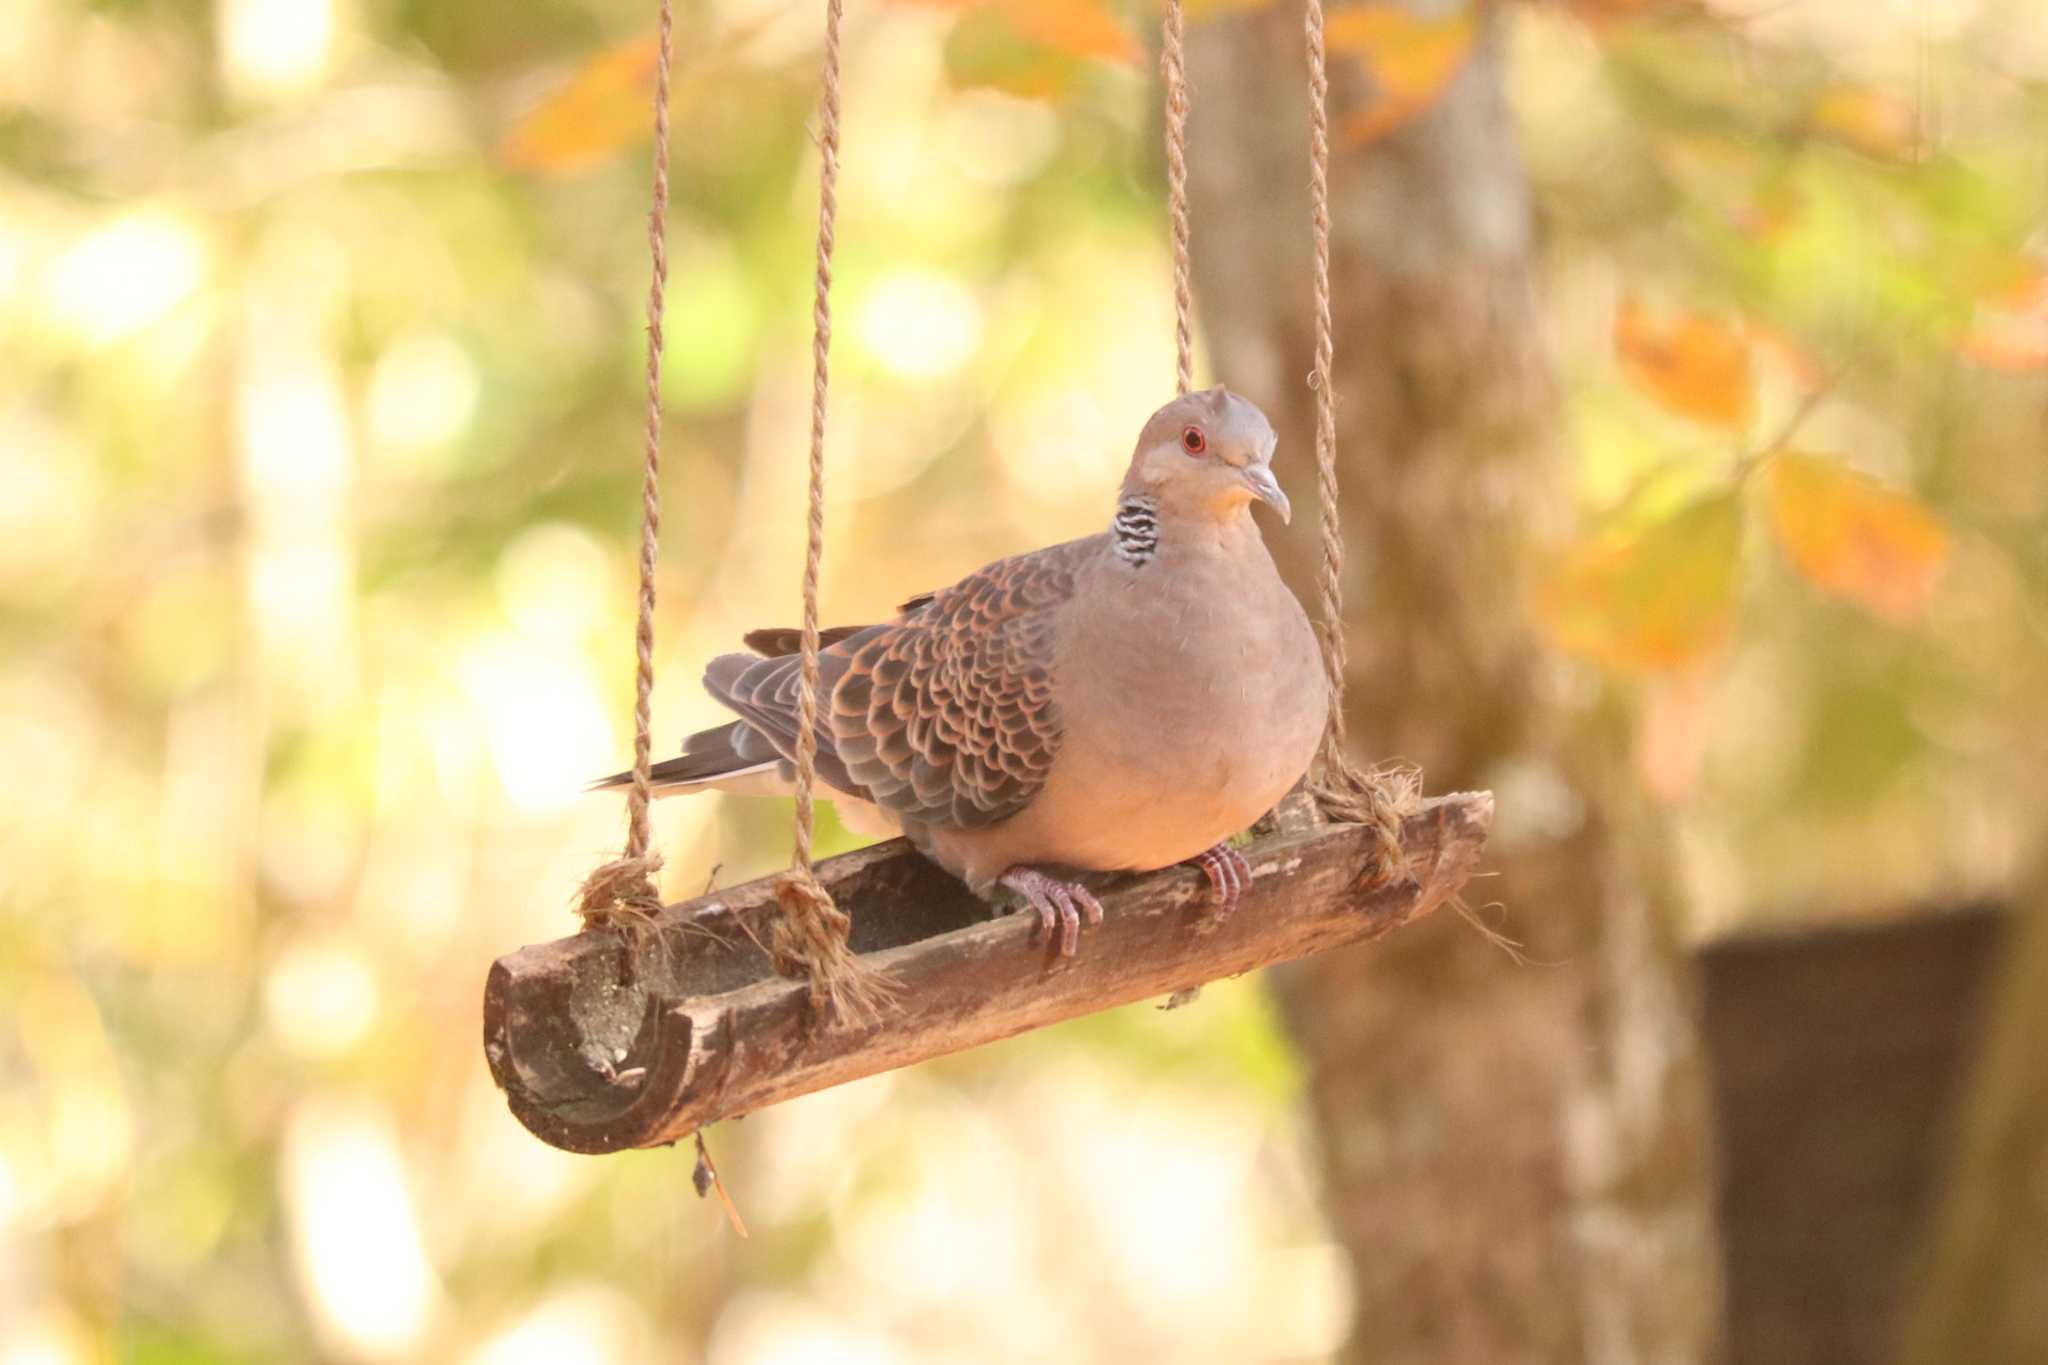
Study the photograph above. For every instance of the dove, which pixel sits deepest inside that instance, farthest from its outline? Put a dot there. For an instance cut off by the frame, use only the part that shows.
(1122, 702)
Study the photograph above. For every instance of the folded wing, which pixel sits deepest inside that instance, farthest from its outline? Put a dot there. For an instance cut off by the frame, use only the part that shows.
(944, 716)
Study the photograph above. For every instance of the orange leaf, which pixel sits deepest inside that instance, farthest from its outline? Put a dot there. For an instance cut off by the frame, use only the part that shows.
(603, 108)
(1409, 56)
(1033, 49)
(1654, 599)
(1410, 59)
(1079, 28)
(985, 52)
(1855, 538)
(1874, 123)
(2010, 330)
(1691, 364)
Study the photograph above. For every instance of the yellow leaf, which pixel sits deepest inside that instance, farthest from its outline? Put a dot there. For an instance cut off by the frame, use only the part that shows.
(604, 107)
(1872, 122)
(1691, 364)
(1410, 59)
(1855, 538)
(1652, 599)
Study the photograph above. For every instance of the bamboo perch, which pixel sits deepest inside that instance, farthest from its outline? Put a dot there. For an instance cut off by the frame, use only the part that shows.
(638, 1037)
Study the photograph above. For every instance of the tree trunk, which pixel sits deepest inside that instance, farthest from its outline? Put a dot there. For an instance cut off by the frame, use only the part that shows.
(1516, 1155)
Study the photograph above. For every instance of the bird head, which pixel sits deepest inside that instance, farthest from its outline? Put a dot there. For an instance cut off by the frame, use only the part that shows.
(1207, 454)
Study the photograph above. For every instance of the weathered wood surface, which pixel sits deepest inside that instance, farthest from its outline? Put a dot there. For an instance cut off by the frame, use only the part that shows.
(614, 1039)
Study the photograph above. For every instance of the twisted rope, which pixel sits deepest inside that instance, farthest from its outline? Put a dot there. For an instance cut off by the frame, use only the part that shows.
(1173, 71)
(626, 884)
(810, 937)
(821, 379)
(1378, 799)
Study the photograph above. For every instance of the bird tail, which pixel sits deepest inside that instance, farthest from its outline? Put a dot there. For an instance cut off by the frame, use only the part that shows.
(728, 757)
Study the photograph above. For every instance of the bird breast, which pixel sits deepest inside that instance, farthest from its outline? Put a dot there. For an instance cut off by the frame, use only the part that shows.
(1191, 701)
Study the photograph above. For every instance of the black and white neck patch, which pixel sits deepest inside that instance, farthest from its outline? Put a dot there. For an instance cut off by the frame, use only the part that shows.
(1135, 532)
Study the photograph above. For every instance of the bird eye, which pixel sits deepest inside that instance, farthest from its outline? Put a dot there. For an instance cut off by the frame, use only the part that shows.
(1193, 441)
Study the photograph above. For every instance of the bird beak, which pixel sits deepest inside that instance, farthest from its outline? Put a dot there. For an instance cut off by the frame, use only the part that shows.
(1259, 478)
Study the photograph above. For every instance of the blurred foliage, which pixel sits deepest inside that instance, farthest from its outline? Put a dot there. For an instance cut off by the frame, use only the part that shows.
(1407, 58)
(1817, 240)
(318, 387)
(1854, 538)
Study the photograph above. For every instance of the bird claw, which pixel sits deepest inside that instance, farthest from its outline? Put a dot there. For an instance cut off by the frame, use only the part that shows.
(1229, 875)
(1055, 901)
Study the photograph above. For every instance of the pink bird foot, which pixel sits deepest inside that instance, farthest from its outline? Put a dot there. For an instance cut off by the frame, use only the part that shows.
(1229, 874)
(1053, 900)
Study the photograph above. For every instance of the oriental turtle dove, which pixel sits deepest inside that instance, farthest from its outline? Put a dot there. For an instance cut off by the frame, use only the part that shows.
(1125, 701)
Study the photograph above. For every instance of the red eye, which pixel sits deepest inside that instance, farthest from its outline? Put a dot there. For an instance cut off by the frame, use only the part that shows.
(1193, 441)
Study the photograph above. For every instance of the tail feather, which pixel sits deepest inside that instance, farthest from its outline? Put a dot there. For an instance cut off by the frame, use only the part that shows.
(709, 756)
(752, 754)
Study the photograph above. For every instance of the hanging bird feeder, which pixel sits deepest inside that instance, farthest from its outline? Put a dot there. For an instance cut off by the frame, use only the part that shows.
(658, 1020)
(640, 1035)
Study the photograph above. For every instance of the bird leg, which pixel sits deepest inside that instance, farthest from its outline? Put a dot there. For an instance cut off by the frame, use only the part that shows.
(1054, 900)
(1229, 874)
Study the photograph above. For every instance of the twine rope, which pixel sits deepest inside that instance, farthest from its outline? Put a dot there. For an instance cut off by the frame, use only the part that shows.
(1174, 73)
(1329, 583)
(1382, 798)
(810, 937)
(626, 883)
(821, 379)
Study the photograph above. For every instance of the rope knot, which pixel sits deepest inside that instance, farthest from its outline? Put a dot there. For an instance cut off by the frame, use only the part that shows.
(620, 889)
(1380, 798)
(808, 939)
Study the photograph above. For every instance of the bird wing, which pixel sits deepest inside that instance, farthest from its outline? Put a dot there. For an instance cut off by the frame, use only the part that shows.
(948, 717)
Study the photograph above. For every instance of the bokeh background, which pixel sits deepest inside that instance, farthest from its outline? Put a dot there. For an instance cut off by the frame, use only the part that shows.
(320, 337)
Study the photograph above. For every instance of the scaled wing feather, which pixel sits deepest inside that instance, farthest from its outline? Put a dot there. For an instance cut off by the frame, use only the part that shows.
(947, 717)
(944, 716)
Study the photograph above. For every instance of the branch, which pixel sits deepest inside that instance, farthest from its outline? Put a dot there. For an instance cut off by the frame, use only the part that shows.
(621, 1038)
